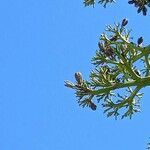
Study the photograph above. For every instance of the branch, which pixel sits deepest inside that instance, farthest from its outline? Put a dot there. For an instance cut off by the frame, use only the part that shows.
(141, 5)
(115, 72)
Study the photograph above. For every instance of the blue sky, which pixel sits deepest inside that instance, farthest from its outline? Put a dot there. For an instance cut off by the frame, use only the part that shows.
(42, 43)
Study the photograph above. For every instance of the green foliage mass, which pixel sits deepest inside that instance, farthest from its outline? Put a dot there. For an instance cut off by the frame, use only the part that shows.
(116, 62)
(121, 69)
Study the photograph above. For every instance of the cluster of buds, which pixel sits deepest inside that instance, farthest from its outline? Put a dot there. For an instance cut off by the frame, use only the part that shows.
(79, 80)
(106, 50)
(82, 89)
(78, 77)
(141, 4)
(105, 47)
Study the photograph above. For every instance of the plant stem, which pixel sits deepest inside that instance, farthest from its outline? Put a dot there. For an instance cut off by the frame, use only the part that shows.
(142, 82)
(147, 64)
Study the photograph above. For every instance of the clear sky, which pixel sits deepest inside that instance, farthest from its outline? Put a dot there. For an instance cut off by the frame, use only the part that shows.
(43, 43)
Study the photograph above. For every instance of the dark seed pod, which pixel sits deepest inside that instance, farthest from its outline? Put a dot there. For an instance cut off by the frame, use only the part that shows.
(139, 10)
(140, 40)
(144, 11)
(78, 77)
(93, 106)
(124, 22)
(131, 2)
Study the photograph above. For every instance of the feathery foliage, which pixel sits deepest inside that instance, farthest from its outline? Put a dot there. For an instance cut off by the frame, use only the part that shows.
(122, 69)
(120, 64)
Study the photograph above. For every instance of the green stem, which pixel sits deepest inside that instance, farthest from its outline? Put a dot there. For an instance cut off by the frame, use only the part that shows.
(142, 82)
(147, 64)
(127, 65)
(145, 52)
(130, 99)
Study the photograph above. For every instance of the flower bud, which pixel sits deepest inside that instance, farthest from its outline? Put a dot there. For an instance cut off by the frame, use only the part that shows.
(78, 77)
(93, 106)
(144, 11)
(69, 84)
(140, 41)
(124, 22)
(131, 2)
(139, 10)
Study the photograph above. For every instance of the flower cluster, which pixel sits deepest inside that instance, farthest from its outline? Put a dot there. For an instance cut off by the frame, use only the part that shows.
(82, 90)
